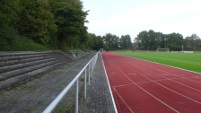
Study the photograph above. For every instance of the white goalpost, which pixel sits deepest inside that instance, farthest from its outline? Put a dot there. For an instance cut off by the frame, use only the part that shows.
(162, 50)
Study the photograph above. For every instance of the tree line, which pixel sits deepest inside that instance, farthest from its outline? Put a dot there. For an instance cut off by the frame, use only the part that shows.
(111, 42)
(147, 40)
(151, 40)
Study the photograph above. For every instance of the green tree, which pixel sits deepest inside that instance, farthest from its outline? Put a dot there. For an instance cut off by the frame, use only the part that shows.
(90, 40)
(111, 42)
(125, 42)
(142, 40)
(163, 40)
(8, 15)
(95, 42)
(174, 41)
(70, 19)
(35, 21)
(192, 42)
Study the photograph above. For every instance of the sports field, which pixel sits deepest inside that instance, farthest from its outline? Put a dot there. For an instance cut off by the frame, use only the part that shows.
(189, 61)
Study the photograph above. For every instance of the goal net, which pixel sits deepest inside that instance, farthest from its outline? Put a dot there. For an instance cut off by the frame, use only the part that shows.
(163, 50)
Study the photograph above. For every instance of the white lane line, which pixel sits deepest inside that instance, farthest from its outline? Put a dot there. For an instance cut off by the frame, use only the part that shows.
(123, 85)
(123, 100)
(168, 88)
(183, 84)
(173, 78)
(114, 104)
(175, 91)
(179, 76)
(148, 92)
(172, 73)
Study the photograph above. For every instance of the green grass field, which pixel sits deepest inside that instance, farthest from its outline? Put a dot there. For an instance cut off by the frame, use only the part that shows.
(189, 61)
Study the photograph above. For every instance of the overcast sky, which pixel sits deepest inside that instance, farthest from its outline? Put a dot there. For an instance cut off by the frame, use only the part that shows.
(121, 17)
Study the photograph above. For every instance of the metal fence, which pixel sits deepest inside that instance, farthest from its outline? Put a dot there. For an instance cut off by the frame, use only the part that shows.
(90, 67)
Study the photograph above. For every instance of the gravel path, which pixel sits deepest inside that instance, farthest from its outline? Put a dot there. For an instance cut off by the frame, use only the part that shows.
(35, 95)
(99, 99)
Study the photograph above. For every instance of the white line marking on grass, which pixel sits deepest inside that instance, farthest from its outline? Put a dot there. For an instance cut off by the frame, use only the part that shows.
(148, 92)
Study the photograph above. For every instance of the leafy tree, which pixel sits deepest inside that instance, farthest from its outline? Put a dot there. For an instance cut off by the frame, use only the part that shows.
(174, 41)
(91, 40)
(142, 40)
(99, 43)
(163, 40)
(70, 19)
(36, 21)
(8, 15)
(95, 42)
(8, 12)
(125, 42)
(192, 42)
(111, 42)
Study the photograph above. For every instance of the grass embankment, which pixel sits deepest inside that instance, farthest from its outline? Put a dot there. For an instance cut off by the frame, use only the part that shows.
(10, 40)
(182, 60)
(22, 44)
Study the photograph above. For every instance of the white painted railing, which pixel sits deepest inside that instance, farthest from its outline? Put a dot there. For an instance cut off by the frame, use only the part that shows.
(90, 67)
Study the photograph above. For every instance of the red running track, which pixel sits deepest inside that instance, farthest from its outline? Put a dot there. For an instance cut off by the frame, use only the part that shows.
(141, 86)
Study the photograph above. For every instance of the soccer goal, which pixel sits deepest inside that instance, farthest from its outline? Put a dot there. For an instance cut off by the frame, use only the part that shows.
(162, 50)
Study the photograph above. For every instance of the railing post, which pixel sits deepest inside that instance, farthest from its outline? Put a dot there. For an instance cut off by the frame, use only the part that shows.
(89, 73)
(76, 96)
(85, 83)
(92, 65)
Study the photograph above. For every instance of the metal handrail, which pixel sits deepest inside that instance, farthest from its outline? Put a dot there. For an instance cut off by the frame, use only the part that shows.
(91, 64)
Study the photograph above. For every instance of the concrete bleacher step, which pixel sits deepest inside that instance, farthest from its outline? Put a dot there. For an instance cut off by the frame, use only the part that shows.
(7, 56)
(10, 82)
(17, 67)
(25, 60)
(24, 65)
(23, 70)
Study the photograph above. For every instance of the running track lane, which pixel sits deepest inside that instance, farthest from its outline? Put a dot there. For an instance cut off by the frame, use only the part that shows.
(141, 86)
